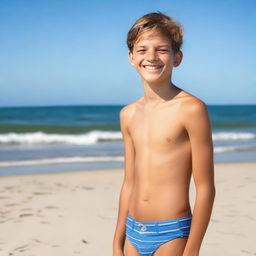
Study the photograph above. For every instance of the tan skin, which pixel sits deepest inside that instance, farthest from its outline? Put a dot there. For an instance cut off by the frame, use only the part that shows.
(167, 139)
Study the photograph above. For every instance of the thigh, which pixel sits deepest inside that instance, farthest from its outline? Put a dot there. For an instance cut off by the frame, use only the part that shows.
(174, 247)
(129, 249)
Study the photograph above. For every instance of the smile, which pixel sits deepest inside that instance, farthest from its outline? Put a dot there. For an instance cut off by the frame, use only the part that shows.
(152, 67)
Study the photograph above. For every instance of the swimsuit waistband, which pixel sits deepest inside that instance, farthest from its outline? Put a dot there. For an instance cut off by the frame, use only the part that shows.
(159, 223)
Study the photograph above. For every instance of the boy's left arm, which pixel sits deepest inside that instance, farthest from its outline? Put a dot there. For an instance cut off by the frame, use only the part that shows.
(198, 126)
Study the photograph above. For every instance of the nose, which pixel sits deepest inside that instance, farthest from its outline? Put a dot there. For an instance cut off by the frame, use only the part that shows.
(151, 55)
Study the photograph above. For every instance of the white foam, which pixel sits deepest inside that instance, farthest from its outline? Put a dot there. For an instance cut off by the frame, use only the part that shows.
(95, 136)
(44, 138)
(62, 160)
(233, 136)
(224, 149)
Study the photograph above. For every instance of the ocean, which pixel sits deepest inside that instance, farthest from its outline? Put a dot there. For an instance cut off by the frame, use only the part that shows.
(64, 138)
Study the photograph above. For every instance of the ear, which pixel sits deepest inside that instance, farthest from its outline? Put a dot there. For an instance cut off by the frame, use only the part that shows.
(130, 55)
(178, 58)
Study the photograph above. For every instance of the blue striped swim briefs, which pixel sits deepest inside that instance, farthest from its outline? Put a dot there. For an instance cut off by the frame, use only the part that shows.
(147, 237)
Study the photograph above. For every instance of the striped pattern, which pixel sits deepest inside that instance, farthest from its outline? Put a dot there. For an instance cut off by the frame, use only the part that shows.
(147, 237)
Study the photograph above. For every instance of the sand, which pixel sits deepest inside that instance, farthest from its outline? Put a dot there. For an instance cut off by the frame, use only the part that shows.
(74, 213)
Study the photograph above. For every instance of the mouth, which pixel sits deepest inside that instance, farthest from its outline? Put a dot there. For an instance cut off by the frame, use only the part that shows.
(152, 67)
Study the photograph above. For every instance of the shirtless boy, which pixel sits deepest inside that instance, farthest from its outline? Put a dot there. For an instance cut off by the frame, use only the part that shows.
(167, 139)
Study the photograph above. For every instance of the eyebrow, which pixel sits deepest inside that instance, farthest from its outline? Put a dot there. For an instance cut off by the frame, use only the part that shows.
(143, 46)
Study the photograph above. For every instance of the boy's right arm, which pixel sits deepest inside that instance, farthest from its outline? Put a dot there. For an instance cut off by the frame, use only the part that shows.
(129, 155)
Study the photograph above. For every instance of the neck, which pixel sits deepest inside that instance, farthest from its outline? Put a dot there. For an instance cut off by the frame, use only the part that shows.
(159, 92)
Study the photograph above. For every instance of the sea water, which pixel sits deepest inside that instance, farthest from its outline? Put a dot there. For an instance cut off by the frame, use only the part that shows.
(64, 138)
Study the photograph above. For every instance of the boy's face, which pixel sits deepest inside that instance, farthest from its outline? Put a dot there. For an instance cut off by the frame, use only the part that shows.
(153, 57)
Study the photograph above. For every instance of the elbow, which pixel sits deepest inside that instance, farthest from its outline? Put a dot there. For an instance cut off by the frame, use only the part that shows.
(128, 181)
(208, 192)
(127, 185)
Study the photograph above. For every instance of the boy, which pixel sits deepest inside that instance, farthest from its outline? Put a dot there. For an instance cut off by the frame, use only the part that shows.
(167, 138)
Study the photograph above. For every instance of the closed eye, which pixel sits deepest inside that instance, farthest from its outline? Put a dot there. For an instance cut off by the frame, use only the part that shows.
(160, 50)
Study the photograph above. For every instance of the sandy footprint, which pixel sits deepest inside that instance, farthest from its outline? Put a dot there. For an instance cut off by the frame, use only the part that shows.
(45, 222)
(41, 193)
(87, 188)
(10, 205)
(51, 207)
(26, 209)
(26, 215)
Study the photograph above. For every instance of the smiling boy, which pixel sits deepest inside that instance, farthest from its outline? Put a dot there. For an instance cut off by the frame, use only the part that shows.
(167, 139)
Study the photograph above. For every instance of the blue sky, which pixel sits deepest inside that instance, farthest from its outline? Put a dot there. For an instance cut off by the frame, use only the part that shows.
(74, 52)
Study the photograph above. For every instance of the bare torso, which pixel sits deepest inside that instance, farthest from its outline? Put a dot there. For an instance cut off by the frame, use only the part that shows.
(162, 168)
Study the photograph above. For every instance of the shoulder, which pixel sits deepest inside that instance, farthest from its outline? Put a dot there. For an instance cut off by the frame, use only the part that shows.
(128, 111)
(192, 105)
(193, 111)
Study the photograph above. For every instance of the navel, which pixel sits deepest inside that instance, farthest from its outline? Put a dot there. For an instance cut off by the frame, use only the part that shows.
(169, 140)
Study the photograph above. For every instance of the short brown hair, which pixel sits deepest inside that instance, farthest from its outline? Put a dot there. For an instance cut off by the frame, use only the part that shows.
(160, 22)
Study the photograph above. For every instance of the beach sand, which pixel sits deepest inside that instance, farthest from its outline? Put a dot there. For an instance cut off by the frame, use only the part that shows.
(74, 213)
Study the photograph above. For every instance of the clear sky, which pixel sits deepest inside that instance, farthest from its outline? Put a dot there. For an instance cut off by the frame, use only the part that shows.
(74, 52)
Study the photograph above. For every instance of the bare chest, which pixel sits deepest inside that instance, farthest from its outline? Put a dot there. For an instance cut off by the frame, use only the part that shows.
(161, 127)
